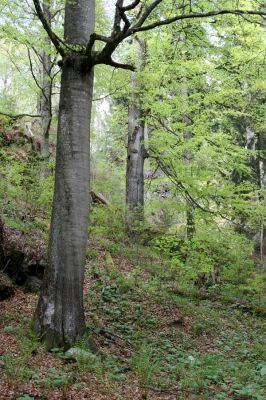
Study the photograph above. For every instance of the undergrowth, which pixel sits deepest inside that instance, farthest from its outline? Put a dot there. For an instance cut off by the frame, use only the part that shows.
(149, 336)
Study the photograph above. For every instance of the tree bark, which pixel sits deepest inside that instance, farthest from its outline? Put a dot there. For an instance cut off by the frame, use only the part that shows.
(257, 142)
(136, 152)
(188, 156)
(59, 317)
(261, 168)
(45, 101)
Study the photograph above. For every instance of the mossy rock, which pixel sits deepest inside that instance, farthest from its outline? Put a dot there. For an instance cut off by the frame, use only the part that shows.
(6, 286)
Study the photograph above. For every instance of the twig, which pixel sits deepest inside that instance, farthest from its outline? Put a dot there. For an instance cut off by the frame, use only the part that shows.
(105, 332)
(19, 115)
(5, 267)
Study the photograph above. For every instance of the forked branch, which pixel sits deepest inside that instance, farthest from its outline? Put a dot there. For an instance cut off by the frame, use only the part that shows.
(118, 35)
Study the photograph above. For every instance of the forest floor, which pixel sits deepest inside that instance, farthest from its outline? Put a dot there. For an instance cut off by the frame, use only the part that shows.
(152, 342)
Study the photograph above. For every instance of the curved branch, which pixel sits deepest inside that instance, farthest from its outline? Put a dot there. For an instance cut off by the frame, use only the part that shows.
(33, 74)
(146, 13)
(93, 37)
(57, 42)
(139, 28)
(131, 6)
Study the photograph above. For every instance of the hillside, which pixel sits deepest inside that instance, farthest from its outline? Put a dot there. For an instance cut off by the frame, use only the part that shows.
(144, 340)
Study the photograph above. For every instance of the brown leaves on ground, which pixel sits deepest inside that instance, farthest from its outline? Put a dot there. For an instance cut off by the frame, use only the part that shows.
(16, 312)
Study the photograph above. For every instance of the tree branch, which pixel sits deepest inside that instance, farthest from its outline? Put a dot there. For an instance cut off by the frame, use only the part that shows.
(105, 55)
(146, 13)
(109, 94)
(33, 74)
(124, 18)
(120, 16)
(57, 42)
(170, 172)
(93, 38)
(131, 6)
(117, 18)
(19, 115)
(121, 66)
(139, 28)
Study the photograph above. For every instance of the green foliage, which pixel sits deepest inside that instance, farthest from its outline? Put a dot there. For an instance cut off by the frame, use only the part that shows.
(143, 364)
(16, 368)
(91, 363)
(10, 329)
(165, 357)
(107, 221)
(214, 256)
(24, 190)
(54, 378)
(202, 93)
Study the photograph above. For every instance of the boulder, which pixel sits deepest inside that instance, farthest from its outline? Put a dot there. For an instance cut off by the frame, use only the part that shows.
(22, 256)
(32, 284)
(6, 286)
(76, 353)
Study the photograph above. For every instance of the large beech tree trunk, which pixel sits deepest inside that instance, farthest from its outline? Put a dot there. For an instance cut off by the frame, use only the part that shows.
(136, 152)
(59, 317)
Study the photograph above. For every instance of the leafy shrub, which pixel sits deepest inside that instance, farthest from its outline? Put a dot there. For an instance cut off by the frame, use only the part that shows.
(107, 221)
(213, 256)
(169, 245)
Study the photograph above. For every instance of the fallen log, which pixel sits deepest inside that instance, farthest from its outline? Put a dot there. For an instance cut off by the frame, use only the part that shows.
(98, 198)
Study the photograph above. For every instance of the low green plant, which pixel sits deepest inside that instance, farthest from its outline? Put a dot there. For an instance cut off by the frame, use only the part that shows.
(15, 368)
(54, 377)
(143, 364)
(28, 343)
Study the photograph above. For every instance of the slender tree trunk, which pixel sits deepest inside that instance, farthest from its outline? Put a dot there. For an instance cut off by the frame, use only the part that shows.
(136, 152)
(190, 231)
(45, 102)
(261, 168)
(190, 223)
(59, 317)
(258, 163)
